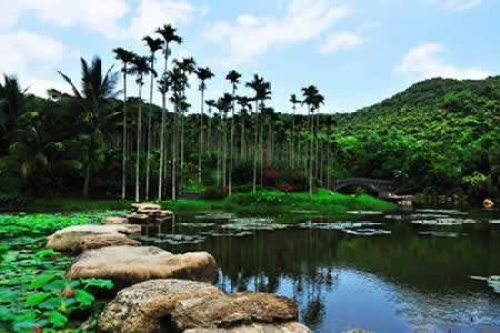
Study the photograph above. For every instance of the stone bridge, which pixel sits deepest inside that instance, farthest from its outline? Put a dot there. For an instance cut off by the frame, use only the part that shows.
(385, 189)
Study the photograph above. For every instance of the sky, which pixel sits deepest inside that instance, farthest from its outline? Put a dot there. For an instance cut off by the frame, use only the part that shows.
(356, 52)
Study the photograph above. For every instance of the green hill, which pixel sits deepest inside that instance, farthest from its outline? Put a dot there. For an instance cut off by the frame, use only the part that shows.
(439, 134)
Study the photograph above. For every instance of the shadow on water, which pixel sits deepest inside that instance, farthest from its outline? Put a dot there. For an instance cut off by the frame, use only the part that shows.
(410, 278)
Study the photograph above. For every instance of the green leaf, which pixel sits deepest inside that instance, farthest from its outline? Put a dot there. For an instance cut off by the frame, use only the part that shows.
(99, 283)
(42, 254)
(84, 298)
(42, 280)
(56, 318)
(36, 299)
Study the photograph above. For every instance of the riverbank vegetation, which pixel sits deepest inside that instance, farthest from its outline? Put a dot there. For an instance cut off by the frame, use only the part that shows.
(439, 136)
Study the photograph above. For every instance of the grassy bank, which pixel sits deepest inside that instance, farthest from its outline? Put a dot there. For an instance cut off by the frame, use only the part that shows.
(262, 202)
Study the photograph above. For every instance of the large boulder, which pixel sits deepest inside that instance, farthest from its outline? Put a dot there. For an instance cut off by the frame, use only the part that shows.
(68, 239)
(186, 306)
(126, 265)
(145, 207)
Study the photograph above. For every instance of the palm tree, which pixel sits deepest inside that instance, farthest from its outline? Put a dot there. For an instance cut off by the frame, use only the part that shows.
(126, 58)
(313, 99)
(233, 77)
(163, 87)
(187, 67)
(294, 101)
(154, 46)
(260, 87)
(246, 107)
(169, 35)
(211, 104)
(203, 74)
(224, 105)
(140, 67)
(96, 91)
(12, 99)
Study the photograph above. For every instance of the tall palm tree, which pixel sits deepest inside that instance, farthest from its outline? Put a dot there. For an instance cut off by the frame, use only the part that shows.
(154, 45)
(295, 102)
(140, 67)
(163, 87)
(187, 67)
(211, 104)
(126, 58)
(313, 99)
(97, 89)
(169, 36)
(224, 105)
(203, 74)
(246, 107)
(233, 77)
(260, 87)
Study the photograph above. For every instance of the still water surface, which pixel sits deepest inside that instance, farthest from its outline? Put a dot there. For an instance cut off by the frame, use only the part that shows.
(383, 273)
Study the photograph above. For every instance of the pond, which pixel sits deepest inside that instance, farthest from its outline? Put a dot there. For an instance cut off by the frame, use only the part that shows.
(404, 272)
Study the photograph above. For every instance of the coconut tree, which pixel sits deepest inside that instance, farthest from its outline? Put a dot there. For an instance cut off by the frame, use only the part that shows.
(140, 67)
(233, 77)
(12, 99)
(126, 58)
(154, 45)
(169, 36)
(203, 74)
(97, 89)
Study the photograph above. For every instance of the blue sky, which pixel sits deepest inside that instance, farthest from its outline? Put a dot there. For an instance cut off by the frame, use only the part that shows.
(357, 52)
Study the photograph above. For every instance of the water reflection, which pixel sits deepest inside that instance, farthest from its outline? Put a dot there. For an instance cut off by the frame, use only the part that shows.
(404, 281)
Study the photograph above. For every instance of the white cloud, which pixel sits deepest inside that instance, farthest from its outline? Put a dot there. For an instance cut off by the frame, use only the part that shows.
(32, 56)
(92, 15)
(153, 13)
(424, 62)
(250, 36)
(457, 5)
(337, 41)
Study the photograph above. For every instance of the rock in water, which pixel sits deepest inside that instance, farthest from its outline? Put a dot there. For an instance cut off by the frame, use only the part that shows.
(69, 238)
(292, 327)
(146, 207)
(114, 220)
(126, 265)
(186, 306)
(488, 203)
(104, 240)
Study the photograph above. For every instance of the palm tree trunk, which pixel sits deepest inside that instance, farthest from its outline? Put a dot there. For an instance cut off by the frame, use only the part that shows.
(162, 144)
(255, 150)
(242, 140)
(138, 146)
(224, 152)
(201, 135)
(231, 145)
(311, 152)
(149, 134)
(174, 155)
(124, 151)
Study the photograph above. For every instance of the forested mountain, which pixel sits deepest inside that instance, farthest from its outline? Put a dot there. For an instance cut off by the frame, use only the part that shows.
(437, 136)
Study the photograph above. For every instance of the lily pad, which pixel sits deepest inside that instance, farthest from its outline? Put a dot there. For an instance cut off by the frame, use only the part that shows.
(363, 212)
(445, 222)
(394, 217)
(174, 239)
(196, 225)
(338, 225)
(249, 224)
(441, 211)
(215, 216)
(228, 234)
(442, 234)
(367, 232)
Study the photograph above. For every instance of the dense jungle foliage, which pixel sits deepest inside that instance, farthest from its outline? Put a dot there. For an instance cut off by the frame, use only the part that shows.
(439, 136)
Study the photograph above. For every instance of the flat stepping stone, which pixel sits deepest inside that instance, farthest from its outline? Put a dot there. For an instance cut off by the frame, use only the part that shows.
(68, 239)
(187, 306)
(94, 242)
(127, 265)
(114, 220)
(146, 207)
(293, 327)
